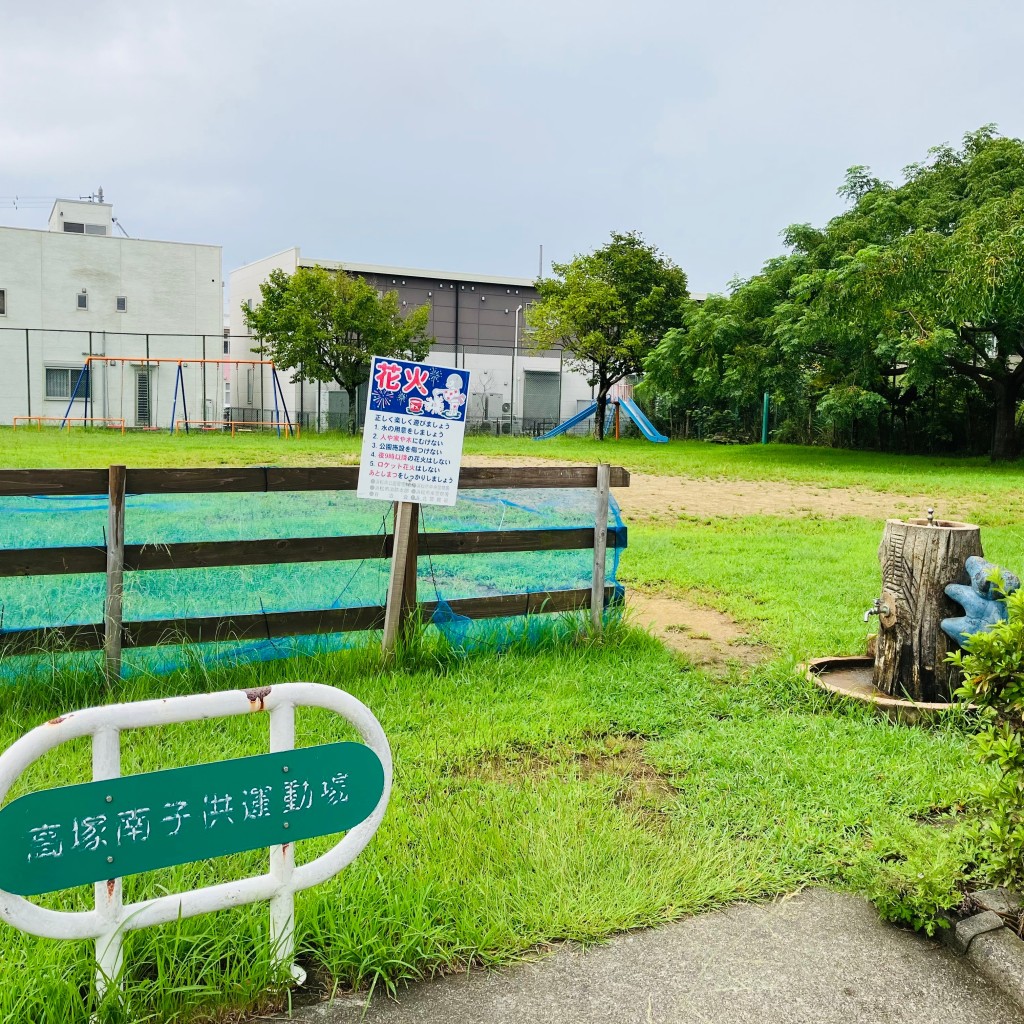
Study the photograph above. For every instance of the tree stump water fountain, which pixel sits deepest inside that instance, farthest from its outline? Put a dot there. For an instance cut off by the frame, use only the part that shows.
(937, 591)
(919, 559)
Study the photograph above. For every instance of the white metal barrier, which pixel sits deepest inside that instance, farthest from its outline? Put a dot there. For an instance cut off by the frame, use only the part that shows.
(111, 917)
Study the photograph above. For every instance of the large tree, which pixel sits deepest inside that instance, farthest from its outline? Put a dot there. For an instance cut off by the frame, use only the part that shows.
(608, 310)
(907, 307)
(930, 273)
(326, 325)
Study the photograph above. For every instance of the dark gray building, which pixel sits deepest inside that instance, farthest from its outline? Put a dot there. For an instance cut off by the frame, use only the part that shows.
(478, 323)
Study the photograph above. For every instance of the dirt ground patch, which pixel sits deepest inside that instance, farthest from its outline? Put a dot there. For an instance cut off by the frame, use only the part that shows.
(654, 497)
(640, 785)
(706, 636)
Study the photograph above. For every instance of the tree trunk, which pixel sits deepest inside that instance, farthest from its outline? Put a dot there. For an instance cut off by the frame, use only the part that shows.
(1004, 440)
(353, 415)
(918, 561)
(602, 406)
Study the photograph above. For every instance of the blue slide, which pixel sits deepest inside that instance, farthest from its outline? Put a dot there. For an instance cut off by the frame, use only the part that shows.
(569, 423)
(628, 406)
(644, 425)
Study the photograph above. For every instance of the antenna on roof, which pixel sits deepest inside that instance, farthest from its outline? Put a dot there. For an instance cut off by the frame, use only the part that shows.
(94, 197)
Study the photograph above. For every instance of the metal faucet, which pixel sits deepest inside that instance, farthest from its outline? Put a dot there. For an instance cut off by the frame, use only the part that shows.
(931, 517)
(876, 609)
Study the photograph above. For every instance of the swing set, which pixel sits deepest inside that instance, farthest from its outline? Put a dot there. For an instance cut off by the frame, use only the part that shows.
(280, 421)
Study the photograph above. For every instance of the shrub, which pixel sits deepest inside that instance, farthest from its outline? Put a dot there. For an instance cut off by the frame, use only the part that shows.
(913, 874)
(993, 679)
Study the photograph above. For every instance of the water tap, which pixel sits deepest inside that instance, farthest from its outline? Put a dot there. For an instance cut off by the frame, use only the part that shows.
(876, 609)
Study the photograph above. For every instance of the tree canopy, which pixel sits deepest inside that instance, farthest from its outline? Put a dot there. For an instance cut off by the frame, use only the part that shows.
(325, 326)
(608, 310)
(908, 306)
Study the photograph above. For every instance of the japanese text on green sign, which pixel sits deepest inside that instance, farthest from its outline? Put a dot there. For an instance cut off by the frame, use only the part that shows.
(72, 835)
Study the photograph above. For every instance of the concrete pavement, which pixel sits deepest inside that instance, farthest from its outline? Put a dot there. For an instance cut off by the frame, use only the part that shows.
(817, 958)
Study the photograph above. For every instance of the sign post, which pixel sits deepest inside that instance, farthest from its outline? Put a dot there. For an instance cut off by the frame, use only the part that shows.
(99, 831)
(412, 453)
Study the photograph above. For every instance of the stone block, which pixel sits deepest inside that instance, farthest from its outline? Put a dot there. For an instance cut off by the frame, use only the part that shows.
(967, 930)
(999, 901)
(999, 957)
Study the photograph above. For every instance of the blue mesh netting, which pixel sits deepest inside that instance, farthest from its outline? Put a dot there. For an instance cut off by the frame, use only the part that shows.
(40, 601)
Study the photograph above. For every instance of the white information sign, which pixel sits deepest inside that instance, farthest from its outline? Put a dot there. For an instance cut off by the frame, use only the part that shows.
(412, 437)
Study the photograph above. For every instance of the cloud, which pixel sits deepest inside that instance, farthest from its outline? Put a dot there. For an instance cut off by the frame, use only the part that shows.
(460, 134)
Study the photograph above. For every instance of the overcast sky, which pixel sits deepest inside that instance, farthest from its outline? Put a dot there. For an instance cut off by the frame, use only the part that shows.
(460, 135)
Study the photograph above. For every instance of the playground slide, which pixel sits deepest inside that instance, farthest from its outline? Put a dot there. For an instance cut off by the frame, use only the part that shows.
(644, 425)
(570, 423)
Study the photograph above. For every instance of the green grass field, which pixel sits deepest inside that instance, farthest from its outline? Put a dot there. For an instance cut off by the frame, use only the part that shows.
(827, 467)
(558, 790)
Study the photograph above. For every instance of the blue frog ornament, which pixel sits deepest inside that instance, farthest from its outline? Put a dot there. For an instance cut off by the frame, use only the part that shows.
(984, 601)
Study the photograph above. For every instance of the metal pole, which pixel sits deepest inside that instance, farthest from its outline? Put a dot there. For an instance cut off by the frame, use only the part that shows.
(88, 383)
(184, 401)
(174, 401)
(512, 389)
(282, 860)
(274, 385)
(456, 287)
(28, 373)
(764, 420)
(74, 395)
(106, 764)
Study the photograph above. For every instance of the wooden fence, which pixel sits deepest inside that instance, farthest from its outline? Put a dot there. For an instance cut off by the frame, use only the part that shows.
(403, 547)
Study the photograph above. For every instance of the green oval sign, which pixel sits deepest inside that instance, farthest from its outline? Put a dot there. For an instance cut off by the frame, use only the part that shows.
(72, 835)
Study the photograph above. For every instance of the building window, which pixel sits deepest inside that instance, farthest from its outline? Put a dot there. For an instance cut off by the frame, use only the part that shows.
(227, 345)
(83, 299)
(122, 303)
(58, 382)
(3, 302)
(77, 228)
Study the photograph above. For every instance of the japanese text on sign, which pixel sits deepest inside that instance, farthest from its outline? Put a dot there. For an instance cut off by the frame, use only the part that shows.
(412, 437)
(75, 834)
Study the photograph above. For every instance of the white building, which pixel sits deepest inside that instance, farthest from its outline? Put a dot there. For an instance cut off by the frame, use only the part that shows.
(80, 289)
(474, 321)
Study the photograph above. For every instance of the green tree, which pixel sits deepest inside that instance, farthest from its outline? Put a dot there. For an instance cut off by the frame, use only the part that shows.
(909, 303)
(608, 310)
(325, 326)
(930, 274)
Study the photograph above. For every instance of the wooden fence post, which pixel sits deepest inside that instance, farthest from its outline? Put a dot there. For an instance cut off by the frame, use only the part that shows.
(402, 584)
(112, 614)
(604, 472)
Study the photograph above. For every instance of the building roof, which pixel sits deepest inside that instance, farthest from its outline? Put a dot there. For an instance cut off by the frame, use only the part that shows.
(440, 275)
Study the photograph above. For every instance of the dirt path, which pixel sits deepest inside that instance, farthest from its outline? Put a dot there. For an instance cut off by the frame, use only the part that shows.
(705, 636)
(652, 497)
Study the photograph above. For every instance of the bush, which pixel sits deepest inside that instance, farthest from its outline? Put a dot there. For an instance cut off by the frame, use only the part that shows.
(993, 679)
(913, 874)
